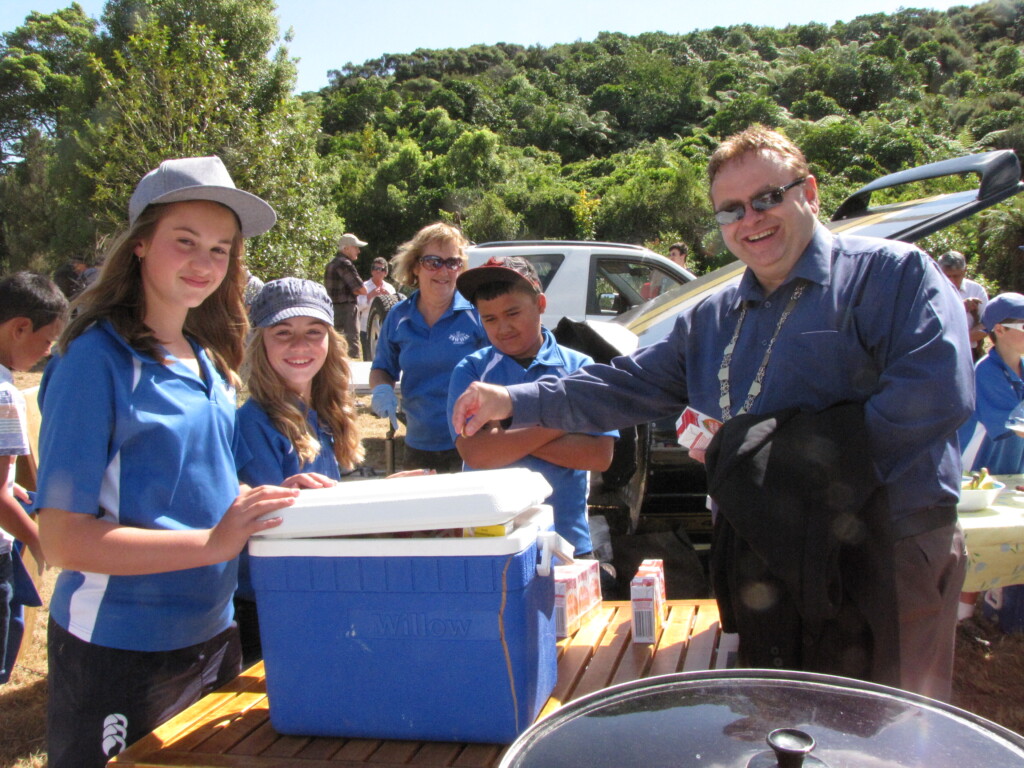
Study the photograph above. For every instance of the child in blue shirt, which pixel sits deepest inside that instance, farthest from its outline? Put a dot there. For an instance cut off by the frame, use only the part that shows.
(139, 501)
(300, 418)
(507, 295)
(32, 311)
(986, 439)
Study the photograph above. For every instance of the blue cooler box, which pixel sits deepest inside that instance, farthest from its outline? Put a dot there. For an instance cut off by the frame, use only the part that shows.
(447, 639)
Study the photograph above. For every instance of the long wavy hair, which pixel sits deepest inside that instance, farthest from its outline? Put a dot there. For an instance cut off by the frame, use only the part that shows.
(219, 324)
(332, 399)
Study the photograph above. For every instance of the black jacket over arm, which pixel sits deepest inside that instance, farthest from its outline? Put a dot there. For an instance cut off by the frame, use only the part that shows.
(802, 556)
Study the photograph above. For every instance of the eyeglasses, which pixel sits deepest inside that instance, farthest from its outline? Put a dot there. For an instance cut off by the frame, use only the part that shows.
(434, 263)
(378, 269)
(763, 202)
(1015, 326)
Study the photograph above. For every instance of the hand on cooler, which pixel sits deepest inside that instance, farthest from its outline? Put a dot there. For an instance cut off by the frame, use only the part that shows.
(384, 404)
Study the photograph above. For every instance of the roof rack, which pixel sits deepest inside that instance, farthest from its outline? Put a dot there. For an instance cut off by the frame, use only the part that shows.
(588, 243)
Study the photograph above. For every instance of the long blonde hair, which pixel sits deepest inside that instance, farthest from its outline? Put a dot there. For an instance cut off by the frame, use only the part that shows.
(331, 398)
(219, 324)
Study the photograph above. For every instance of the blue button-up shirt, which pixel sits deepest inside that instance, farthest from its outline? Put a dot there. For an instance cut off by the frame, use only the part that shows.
(878, 323)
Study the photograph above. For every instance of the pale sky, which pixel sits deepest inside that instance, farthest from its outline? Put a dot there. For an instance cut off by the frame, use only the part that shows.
(330, 33)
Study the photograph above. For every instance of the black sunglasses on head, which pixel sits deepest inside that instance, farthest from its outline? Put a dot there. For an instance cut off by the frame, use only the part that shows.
(763, 202)
(434, 263)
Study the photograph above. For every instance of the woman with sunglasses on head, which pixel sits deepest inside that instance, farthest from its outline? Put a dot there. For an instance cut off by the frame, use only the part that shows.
(421, 341)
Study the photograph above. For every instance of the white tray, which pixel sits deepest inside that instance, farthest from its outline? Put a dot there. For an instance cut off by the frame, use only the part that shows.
(488, 497)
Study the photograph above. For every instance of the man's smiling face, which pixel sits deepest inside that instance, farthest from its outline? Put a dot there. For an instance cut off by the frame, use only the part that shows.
(769, 242)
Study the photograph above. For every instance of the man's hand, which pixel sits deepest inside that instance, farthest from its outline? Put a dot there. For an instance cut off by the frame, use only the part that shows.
(478, 405)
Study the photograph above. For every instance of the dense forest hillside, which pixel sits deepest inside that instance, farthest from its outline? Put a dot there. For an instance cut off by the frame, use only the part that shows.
(604, 139)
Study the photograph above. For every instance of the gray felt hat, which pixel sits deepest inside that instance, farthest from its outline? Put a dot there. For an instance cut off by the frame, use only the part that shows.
(200, 178)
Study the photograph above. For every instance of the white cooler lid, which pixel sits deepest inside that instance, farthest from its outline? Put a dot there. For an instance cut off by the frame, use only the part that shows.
(424, 502)
(528, 524)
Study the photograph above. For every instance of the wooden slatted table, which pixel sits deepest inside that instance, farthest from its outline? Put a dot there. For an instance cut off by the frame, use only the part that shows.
(231, 727)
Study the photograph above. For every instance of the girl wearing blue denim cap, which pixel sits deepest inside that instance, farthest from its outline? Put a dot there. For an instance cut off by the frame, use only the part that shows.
(139, 500)
(299, 423)
(300, 418)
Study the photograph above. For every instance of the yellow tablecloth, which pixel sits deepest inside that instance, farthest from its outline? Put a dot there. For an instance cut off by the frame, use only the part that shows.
(995, 540)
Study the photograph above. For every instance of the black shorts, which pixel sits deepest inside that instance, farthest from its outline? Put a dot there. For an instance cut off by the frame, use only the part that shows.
(103, 699)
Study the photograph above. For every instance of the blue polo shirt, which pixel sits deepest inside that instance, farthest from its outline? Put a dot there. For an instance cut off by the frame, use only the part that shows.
(984, 438)
(143, 444)
(272, 456)
(425, 356)
(571, 486)
(878, 324)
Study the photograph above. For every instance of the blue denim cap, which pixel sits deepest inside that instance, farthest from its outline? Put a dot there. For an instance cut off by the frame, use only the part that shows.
(291, 297)
(200, 178)
(1005, 306)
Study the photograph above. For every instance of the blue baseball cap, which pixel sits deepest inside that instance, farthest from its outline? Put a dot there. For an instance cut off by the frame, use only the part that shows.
(290, 297)
(1005, 306)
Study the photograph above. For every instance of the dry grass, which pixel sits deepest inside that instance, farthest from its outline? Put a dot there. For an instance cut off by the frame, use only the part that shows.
(987, 678)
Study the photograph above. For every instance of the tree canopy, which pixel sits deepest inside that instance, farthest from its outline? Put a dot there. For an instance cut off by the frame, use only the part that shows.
(604, 139)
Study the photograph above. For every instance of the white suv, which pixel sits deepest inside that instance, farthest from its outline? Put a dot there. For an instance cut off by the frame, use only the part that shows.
(589, 280)
(582, 280)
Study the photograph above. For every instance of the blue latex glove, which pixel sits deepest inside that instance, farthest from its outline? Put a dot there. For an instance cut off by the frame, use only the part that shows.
(384, 404)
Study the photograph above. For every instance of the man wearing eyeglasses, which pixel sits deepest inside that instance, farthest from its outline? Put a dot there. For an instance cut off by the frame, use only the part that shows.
(343, 285)
(817, 320)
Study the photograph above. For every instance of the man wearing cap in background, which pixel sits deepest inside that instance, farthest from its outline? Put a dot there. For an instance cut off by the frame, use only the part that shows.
(974, 296)
(343, 285)
(507, 295)
(375, 286)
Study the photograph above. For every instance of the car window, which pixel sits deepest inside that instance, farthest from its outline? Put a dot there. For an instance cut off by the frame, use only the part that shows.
(546, 265)
(620, 284)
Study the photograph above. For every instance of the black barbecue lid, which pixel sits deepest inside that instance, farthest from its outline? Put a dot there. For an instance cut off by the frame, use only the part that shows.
(724, 718)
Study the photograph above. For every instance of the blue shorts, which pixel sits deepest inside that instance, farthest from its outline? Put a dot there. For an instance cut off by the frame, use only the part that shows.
(103, 699)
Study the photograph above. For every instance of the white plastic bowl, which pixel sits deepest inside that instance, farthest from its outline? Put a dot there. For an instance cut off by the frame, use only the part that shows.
(975, 500)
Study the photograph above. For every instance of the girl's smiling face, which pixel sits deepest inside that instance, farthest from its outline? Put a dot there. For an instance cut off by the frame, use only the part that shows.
(187, 256)
(296, 349)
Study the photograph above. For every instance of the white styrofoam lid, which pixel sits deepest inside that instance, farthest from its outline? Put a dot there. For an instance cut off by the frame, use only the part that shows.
(528, 524)
(488, 497)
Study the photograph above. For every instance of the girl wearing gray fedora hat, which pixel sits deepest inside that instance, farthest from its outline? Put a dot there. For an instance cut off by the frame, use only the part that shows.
(138, 499)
